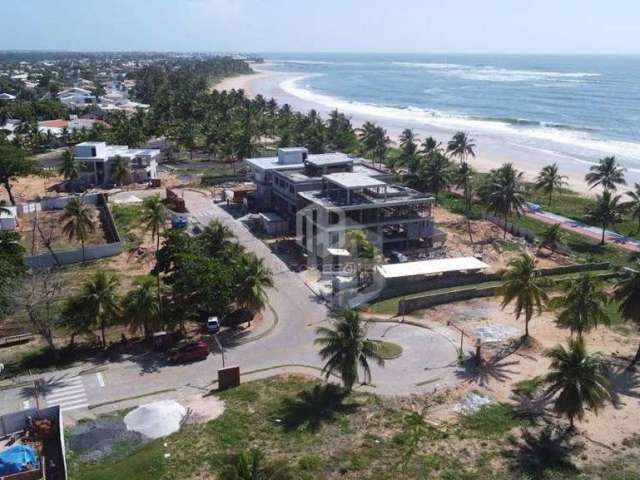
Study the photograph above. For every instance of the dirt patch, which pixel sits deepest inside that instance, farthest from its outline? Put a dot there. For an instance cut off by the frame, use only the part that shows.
(488, 241)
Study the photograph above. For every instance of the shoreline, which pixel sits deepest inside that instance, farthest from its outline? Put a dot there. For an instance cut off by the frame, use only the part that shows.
(491, 151)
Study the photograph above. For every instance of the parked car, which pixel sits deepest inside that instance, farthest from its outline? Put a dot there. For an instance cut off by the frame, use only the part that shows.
(191, 352)
(213, 325)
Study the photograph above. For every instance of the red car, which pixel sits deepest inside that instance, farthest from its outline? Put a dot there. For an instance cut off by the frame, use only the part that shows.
(191, 352)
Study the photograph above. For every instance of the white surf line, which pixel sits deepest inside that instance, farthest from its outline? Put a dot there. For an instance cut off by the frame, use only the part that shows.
(100, 379)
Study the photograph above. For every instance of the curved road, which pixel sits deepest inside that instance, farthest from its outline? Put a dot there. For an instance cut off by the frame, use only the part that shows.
(428, 360)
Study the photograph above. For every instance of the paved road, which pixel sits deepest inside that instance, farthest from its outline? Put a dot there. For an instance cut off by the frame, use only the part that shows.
(428, 360)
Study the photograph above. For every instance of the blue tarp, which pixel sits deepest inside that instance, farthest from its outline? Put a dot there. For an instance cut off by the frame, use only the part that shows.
(15, 459)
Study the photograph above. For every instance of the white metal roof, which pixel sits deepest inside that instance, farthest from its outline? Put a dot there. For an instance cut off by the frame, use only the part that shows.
(338, 252)
(349, 180)
(431, 267)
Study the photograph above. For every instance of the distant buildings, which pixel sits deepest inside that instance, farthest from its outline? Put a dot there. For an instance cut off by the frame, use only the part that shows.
(97, 159)
(56, 127)
(325, 196)
(8, 217)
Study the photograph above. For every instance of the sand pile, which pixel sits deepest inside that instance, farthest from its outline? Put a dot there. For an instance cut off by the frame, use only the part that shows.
(157, 419)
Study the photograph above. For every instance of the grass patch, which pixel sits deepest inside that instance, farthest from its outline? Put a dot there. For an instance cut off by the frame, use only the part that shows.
(493, 420)
(528, 387)
(127, 218)
(388, 350)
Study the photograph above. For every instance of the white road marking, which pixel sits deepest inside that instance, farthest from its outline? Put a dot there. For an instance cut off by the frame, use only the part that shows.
(100, 379)
(71, 395)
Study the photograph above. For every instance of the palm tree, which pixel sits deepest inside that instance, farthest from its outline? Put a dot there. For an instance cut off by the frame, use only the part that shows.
(607, 211)
(346, 348)
(505, 192)
(79, 221)
(550, 237)
(255, 278)
(634, 205)
(582, 305)
(607, 173)
(141, 307)
(627, 294)
(461, 146)
(525, 287)
(154, 217)
(578, 379)
(435, 174)
(409, 149)
(550, 181)
(121, 171)
(101, 302)
(70, 168)
(429, 145)
(463, 178)
(216, 237)
(251, 465)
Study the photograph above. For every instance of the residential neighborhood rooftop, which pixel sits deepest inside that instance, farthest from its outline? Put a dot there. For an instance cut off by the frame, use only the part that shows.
(431, 267)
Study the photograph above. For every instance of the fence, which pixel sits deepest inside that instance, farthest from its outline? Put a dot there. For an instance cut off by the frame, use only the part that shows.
(209, 180)
(430, 300)
(92, 252)
(513, 229)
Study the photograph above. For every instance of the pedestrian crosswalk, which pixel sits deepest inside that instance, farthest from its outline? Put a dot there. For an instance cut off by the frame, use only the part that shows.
(70, 395)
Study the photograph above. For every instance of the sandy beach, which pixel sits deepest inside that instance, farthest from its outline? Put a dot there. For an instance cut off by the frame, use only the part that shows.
(491, 151)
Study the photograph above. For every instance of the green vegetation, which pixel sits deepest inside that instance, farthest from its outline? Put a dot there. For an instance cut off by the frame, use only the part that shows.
(318, 431)
(128, 221)
(388, 350)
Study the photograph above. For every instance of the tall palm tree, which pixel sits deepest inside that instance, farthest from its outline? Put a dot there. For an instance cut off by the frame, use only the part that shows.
(461, 146)
(550, 237)
(607, 211)
(79, 221)
(550, 181)
(154, 218)
(435, 174)
(506, 193)
(429, 145)
(216, 237)
(70, 168)
(409, 148)
(346, 348)
(141, 307)
(607, 173)
(633, 206)
(251, 465)
(524, 287)
(578, 379)
(121, 171)
(582, 305)
(255, 278)
(627, 294)
(101, 302)
(463, 178)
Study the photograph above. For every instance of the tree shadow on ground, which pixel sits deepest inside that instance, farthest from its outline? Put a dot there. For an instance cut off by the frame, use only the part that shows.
(623, 383)
(151, 362)
(481, 373)
(313, 408)
(538, 454)
(44, 386)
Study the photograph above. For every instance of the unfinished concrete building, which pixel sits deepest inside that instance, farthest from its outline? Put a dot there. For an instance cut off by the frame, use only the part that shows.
(325, 196)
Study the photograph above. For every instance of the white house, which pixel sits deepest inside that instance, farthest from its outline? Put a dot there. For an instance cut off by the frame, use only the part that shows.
(8, 218)
(97, 159)
(77, 97)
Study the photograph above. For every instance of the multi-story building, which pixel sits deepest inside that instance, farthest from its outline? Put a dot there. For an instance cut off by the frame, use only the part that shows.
(325, 196)
(97, 160)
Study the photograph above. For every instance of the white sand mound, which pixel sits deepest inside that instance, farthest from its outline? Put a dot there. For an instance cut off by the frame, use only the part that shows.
(471, 403)
(157, 419)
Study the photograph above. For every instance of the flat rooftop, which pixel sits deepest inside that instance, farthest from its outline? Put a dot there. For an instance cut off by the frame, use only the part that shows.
(431, 267)
(329, 159)
(353, 180)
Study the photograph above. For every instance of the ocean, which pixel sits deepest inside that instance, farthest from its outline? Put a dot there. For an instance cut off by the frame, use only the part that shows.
(581, 107)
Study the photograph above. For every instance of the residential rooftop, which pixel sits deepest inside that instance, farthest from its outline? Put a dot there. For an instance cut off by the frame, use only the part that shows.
(353, 180)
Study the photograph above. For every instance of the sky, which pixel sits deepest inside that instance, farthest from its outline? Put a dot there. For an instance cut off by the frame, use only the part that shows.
(411, 26)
